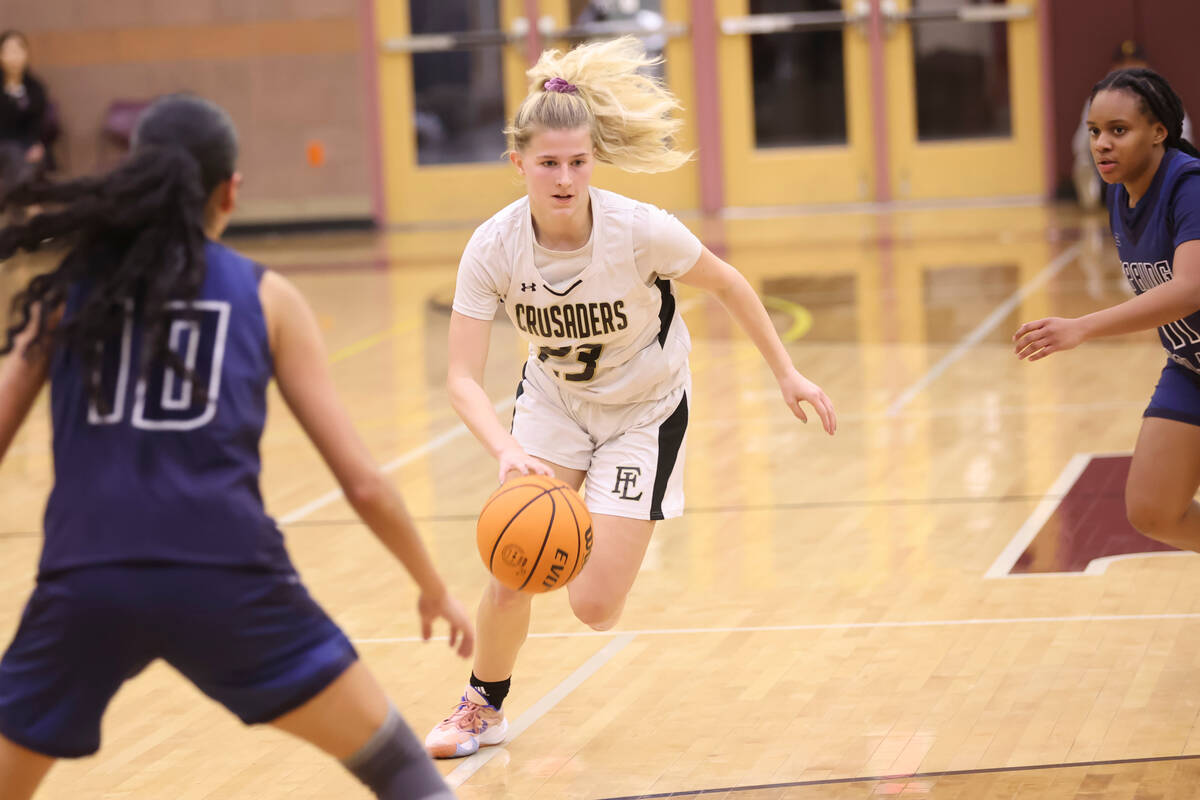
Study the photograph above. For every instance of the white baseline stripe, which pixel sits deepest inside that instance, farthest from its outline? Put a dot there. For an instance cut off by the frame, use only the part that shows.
(1012, 551)
(696, 423)
(984, 328)
(334, 495)
(1098, 566)
(474, 763)
(830, 626)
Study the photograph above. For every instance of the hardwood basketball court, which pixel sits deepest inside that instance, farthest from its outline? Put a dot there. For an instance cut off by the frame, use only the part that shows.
(904, 610)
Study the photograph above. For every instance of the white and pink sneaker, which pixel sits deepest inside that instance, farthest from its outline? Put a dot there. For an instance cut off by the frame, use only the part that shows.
(472, 725)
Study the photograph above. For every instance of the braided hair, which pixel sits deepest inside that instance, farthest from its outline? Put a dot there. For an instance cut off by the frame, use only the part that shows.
(134, 237)
(1158, 101)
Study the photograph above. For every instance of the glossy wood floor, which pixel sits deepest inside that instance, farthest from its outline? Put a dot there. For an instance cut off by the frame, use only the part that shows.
(820, 618)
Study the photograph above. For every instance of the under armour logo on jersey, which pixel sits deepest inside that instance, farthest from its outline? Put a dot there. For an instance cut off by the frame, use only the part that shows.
(627, 478)
(1117, 239)
(528, 287)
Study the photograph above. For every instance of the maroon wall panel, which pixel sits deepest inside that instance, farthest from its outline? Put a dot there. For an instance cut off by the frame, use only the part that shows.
(1168, 30)
(1084, 34)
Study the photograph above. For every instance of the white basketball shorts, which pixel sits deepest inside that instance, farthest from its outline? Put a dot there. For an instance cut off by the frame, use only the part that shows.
(632, 453)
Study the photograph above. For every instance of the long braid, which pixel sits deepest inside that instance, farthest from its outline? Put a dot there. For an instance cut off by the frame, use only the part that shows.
(1158, 100)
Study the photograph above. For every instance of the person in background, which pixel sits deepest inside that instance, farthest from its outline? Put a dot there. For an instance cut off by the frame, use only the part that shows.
(26, 115)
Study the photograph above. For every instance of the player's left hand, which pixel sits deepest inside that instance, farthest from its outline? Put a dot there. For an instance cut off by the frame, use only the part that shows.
(444, 606)
(1040, 338)
(797, 388)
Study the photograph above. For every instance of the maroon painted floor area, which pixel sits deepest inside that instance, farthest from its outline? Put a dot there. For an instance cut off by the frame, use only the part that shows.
(1089, 523)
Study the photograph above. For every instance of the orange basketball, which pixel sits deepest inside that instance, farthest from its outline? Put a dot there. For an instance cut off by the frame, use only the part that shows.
(534, 534)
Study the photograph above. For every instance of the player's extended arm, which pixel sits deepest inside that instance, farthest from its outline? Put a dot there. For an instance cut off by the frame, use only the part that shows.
(738, 297)
(468, 347)
(21, 379)
(1162, 305)
(307, 387)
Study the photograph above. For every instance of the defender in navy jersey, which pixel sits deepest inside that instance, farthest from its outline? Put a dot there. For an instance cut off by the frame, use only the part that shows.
(589, 277)
(159, 344)
(1135, 120)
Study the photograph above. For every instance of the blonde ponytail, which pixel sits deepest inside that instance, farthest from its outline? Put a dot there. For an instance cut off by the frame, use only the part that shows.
(599, 87)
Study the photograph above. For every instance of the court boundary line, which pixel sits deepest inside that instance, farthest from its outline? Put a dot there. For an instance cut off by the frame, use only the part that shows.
(773, 394)
(823, 626)
(333, 495)
(740, 509)
(1007, 559)
(1098, 566)
(985, 327)
(472, 764)
(877, 207)
(747, 507)
(684, 793)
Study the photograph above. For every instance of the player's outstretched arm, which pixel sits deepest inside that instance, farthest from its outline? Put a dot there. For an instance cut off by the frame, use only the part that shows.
(469, 341)
(307, 387)
(21, 379)
(734, 292)
(1162, 305)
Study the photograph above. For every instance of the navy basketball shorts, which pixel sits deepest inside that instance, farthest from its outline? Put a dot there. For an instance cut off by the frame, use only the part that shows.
(632, 453)
(1177, 395)
(254, 641)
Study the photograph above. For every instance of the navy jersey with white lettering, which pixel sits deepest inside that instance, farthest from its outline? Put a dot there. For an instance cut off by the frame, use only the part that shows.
(159, 472)
(1147, 235)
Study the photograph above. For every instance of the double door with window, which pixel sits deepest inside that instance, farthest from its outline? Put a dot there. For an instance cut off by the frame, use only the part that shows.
(819, 101)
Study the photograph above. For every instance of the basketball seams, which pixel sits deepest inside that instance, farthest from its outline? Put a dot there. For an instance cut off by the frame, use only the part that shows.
(545, 538)
(503, 512)
(513, 518)
(496, 495)
(578, 532)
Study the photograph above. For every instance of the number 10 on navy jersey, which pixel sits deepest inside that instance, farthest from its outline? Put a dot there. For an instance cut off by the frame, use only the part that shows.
(165, 399)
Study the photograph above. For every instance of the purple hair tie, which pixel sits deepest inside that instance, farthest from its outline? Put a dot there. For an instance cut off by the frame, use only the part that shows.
(560, 85)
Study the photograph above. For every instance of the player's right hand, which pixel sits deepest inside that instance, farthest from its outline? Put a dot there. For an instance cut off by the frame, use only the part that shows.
(515, 461)
(462, 633)
(1036, 340)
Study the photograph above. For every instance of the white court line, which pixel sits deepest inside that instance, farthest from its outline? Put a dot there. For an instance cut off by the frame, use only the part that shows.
(1097, 566)
(963, 412)
(1045, 509)
(462, 773)
(973, 338)
(407, 458)
(890, 207)
(829, 626)
(333, 495)
(474, 763)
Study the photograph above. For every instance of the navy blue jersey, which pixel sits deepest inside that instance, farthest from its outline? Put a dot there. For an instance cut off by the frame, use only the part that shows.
(1147, 235)
(159, 472)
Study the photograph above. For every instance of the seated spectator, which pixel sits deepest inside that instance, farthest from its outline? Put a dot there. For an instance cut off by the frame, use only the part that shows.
(27, 120)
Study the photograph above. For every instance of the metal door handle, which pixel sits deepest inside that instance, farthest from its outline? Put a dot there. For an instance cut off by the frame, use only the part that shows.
(456, 40)
(793, 22)
(983, 14)
(620, 27)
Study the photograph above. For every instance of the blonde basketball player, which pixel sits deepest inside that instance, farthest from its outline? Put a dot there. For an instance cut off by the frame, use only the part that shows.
(587, 276)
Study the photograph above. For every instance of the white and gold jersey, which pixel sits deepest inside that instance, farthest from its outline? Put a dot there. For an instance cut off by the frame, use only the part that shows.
(605, 328)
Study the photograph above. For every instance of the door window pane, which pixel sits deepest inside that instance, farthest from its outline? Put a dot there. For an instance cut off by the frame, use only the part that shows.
(962, 75)
(799, 81)
(460, 93)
